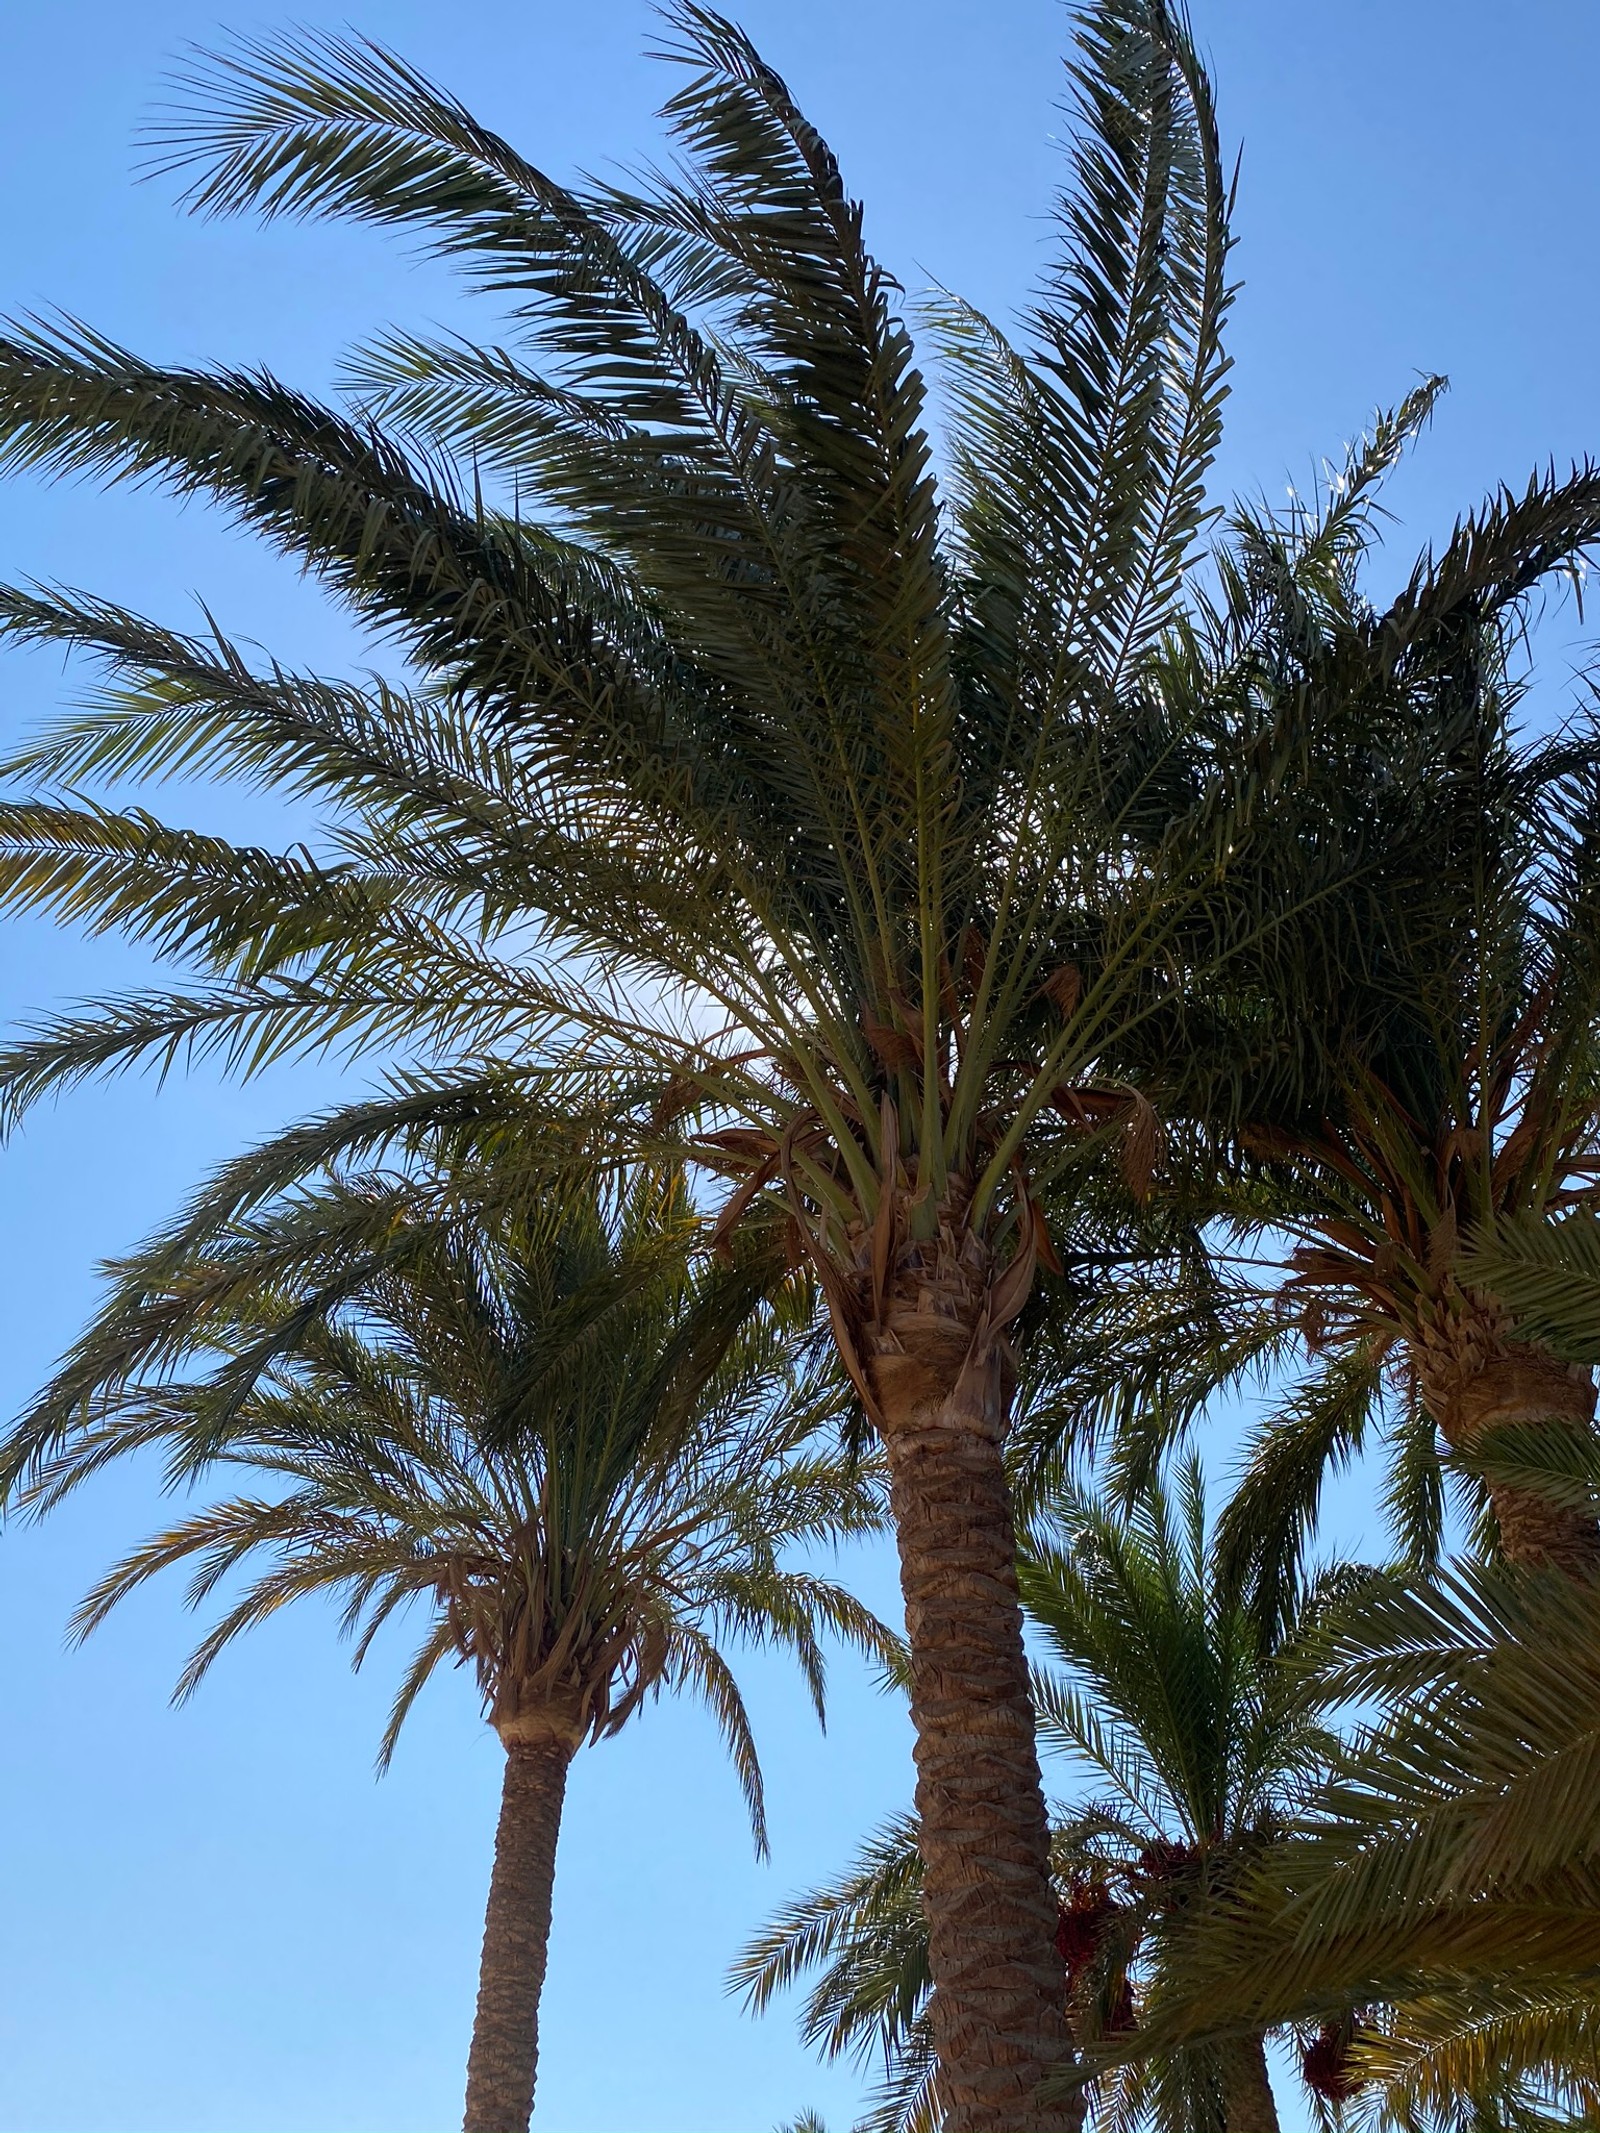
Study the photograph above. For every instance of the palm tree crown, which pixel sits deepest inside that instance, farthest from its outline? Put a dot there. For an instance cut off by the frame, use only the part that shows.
(1451, 1079)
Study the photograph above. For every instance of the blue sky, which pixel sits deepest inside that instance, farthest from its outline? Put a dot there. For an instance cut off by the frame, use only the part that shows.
(214, 1920)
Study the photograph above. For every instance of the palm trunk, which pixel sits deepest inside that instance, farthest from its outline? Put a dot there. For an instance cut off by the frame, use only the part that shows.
(999, 1999)
(1477, 1380)
(516, 1934)
(1247, 2101)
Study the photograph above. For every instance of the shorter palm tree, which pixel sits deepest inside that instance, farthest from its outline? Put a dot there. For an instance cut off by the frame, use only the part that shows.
(535, 1422)
(1205, 1730)
(1437, 1906)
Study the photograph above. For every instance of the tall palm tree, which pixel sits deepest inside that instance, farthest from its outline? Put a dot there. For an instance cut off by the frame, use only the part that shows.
(1208, 1734)
(527, 1422)
(755, 780)
(1450, 1079)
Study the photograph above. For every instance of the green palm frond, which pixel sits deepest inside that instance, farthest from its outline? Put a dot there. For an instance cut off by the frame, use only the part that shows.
(1497, 555)
(1269, 1521)
(1548, 1273)
(866, 1938)
(1526, 2058)
(1448, 1866)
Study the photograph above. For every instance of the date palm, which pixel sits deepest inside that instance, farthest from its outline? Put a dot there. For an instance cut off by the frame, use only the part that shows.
(1208, 1735)
(1437, 1075)
(525, 1421)
(1446, 1870)
(1449, 1865)
(755, 783)
(1451, 1078)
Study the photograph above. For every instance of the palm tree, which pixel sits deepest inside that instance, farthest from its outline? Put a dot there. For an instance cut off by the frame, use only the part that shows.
(1446, 1870)
(1208, 1734)
(527, 1420)
(756, 784)
(1447, 1079)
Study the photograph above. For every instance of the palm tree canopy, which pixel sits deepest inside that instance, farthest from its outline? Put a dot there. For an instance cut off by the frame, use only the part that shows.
(1463, 1089)
(1443, 1083)
(1189, 1709)
(766, 771)
(868, 822)
(850, 793)
(858, 817)
(526, 1417)
(754, 786)
(1441, 1076)
(769, 774)
(1449, 1079)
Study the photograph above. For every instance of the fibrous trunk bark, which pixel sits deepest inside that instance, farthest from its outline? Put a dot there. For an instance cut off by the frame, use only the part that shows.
(1475, 1379)
(1248, 2106)
(999, 1986)
(504, 2060)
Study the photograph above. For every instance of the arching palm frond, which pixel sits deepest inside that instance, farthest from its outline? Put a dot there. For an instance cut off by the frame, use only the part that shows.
(1548, 1273)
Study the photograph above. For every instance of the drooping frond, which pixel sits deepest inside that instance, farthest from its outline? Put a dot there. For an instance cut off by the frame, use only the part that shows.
(1271, 1517)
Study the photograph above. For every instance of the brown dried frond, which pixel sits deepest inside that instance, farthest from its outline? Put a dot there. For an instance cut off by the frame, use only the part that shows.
(744, 1144)
(1141, 1146)
(1064, 989)
(1271, 1143)
(1043, 1243)
(678, 1096)
(973, 953)
(895, 1047)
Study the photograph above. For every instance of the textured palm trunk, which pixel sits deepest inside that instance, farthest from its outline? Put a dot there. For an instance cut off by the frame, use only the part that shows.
(999, 1985)
(1476, 1379)
(1247, 2101)
(504, 2060)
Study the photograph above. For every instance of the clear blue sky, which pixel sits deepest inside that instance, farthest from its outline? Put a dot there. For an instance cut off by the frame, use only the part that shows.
(214, 1921)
